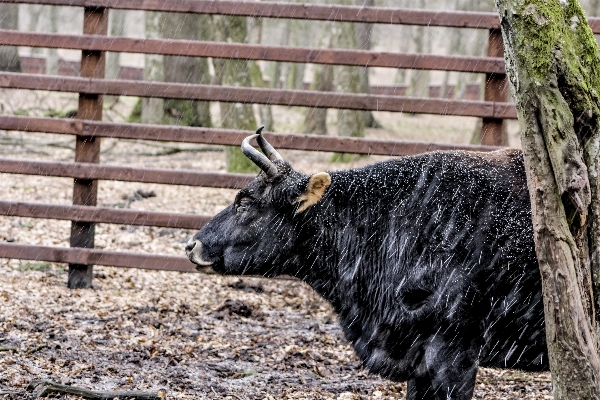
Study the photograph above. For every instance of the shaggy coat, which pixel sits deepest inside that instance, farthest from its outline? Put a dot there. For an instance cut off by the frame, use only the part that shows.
(428, 260)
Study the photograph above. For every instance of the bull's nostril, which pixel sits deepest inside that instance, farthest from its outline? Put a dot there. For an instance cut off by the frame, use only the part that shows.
(190, 245)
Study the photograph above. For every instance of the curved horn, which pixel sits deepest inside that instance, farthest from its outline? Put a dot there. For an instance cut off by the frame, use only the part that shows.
(266, 146)
(257, 158)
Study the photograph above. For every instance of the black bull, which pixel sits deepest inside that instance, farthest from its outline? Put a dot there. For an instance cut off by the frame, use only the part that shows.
(428, 260)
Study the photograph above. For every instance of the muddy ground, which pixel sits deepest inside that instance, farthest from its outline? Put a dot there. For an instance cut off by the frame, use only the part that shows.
(197, 336)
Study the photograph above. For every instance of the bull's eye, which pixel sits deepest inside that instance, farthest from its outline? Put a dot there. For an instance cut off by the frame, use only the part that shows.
(243, 204)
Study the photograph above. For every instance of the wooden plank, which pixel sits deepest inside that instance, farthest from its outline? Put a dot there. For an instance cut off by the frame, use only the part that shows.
(84, 256)
(231, 137)
(93, 171)
(359, 58)
(103, 215)
(303, 98)
(493, 130)
(123, 259)
(390, 16)
(87, 148)
(381, 15)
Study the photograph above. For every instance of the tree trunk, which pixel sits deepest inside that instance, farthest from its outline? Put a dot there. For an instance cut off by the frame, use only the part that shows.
(347, 80)
(9, 55)
(113, 59)
(235, 73)
(364, 35)
(419, 79)
(277, 66)
(257, 80)
(295, 76)
(182, 69)
(34, 11)
(117, 29)
(315, 119)
(594, 6)
(554, 69)
(52, 59)
(152, 108)
(456, 46)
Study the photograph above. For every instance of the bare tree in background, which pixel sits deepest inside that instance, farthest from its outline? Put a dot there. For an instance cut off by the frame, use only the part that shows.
(256, 75)
(34, 11)
(182, 69)
(456, 46)
(235, 73)
(152, 108)
(277, 66)
(52, 58)
(113, 59)
(594, 7)
(347, 79)
(364, 36)
(315, 120)
(299, 38)
(117, 29)
(422, 42)
(9, 55)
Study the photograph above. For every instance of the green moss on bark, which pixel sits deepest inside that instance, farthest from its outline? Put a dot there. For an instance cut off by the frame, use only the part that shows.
(553, 67)
(540, 37)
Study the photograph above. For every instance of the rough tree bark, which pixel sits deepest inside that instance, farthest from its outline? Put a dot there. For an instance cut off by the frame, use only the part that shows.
(554, 69)
(315, 119)
(235, 73)
(186, 69)
(117, 29)
(9, 55)
(295, 71)
(422, 40)
(347, 80)
(34, 12)
(152, 108)
(256, 76)
(52, 59)
(364, 35)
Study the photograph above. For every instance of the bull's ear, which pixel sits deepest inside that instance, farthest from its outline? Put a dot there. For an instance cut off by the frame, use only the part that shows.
(317, 185)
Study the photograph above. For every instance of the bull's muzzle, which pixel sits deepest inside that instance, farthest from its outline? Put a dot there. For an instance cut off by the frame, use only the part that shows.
(193, 249)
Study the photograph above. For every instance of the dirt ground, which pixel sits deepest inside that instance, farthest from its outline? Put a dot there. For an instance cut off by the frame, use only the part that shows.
(197, 336)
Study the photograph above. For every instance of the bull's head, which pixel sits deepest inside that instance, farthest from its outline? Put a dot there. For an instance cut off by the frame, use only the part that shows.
(263, 230)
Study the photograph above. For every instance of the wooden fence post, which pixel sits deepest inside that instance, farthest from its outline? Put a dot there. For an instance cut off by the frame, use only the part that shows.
(87, 149)
(493, 130)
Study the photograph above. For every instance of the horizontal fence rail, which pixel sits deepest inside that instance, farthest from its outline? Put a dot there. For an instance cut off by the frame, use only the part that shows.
(96, 257)
(360, 58)
(91, 171)
(37, 65)
(109, 258)
(317, 12)
(337, 13)
(303, 98)
(88, 128)
(103, 215)
(230, 137)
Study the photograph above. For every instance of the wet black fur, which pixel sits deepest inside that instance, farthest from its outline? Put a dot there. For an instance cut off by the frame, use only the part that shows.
(428, 260)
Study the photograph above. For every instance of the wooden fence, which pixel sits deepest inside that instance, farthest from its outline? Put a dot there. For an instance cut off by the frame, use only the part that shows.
(88, 128)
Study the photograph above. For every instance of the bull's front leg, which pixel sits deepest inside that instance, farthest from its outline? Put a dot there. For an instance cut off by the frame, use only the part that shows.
(447, 372)
(419, 388)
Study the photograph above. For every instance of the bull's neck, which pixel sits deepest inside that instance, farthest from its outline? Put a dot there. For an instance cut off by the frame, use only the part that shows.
(328, 238)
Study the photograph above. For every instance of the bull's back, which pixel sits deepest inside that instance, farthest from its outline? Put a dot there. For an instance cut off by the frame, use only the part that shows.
(455, 253)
